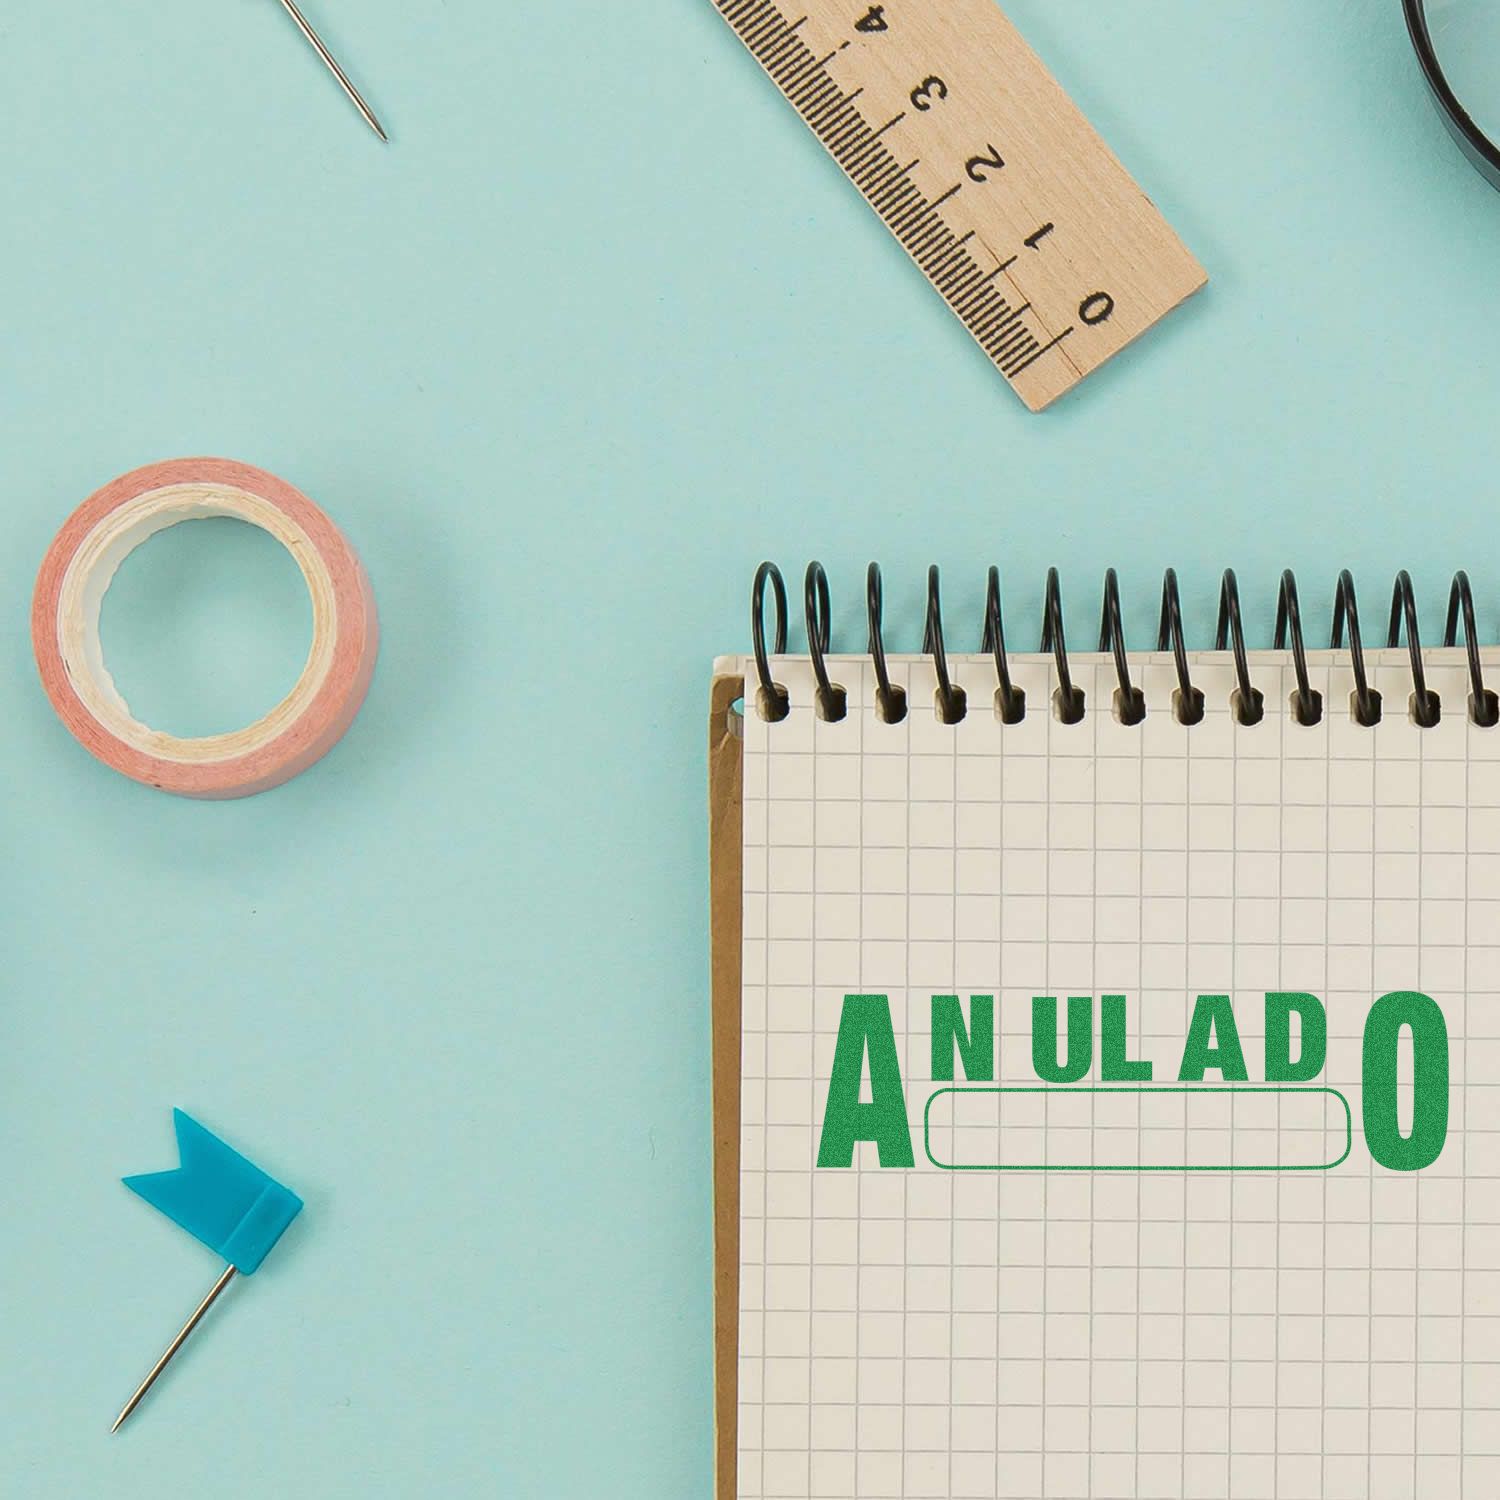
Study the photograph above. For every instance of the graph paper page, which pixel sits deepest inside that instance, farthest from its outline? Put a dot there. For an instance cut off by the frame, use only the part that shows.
(1199, 1244)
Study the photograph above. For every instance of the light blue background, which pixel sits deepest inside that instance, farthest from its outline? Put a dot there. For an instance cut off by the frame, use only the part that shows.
(600, 329)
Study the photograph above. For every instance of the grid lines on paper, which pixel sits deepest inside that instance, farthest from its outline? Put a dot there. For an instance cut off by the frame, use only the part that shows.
(988, 1334)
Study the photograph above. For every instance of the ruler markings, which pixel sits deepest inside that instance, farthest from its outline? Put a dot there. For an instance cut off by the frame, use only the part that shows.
(882, 169)
(957, 280)
(809, 81)
(800, 80)
(974, 295)
(823, 62)
(971, 303)
(999, 326)
(780, 51)
(995, 308)
(884, 179)
(861, 158)
(842, 144)
(926, 234)
(983, 284)
(902, 218)
(1005, 344)
(820, 106)
(1022, 349)
(873, 161)
(791, 63)
(784, 48)
(844, 117)
(767, 22)
(889, 188)
(1002, 342)
(972, 51)
(1040, 351)
(767, 26)
(1007, 340)
(830, 113)
(926, 246)
(919, 207)
(960, 281)
(895, 195)
(956, 266)
(934, 248)
(941, 270)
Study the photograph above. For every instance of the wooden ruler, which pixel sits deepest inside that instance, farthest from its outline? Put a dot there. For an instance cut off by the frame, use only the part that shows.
(1036, 237)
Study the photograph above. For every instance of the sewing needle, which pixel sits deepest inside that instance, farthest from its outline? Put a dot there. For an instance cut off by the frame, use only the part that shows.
(174, 1346)
(333, 67)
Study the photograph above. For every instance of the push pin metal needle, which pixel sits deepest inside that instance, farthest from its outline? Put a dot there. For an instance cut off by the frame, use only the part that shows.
(332, 64)
(226, 1202)
(140, 1391)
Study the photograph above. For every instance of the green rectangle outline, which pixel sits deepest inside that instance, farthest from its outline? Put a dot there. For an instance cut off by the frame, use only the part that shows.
(1154, 1089)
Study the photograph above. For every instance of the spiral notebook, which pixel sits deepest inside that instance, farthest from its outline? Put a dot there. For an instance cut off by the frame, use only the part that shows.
(1108, 1108)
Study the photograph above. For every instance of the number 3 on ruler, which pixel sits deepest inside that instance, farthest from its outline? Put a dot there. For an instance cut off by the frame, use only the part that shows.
(925, 92)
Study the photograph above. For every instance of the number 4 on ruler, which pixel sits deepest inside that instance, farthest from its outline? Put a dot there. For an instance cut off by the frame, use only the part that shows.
(957, 135)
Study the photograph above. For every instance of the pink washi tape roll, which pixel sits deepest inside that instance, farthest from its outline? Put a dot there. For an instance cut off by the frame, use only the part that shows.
(70, 587)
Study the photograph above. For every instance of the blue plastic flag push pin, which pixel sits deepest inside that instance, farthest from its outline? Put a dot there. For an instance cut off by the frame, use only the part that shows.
(223, 1200)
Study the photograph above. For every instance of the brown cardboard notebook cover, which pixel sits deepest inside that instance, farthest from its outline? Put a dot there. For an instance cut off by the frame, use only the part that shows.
(725, 813)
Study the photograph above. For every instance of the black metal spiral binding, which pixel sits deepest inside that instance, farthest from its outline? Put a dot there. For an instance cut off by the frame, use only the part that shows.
(1010, 701)
(1169, 632)
(1249, 703)
(1484, 706)
(1367, 708)
(774, 702)
(833, 701)
(952, 701)
(1069, 697)
(1189, 707)
(889, 699)
(1130, 702)
(1307, 702)
(1426, 707)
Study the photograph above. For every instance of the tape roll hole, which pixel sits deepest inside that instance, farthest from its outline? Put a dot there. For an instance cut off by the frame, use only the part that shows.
(206, 626)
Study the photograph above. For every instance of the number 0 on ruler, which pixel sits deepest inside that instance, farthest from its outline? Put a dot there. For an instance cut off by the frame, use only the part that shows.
(1036, 237)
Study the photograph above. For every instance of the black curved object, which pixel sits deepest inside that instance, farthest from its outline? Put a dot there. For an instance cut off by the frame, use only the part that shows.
(1367, 707)
(952, 701)
(1132, 702)
(1010, 701)
(889, 699)
(833, 701)
(1189, 704)
(1250, 704)
(1472, 141)
(774, 702)
(1070, 700)
(1426, 706)
(1169, 632)
(1307, 702)
(1484, 706)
